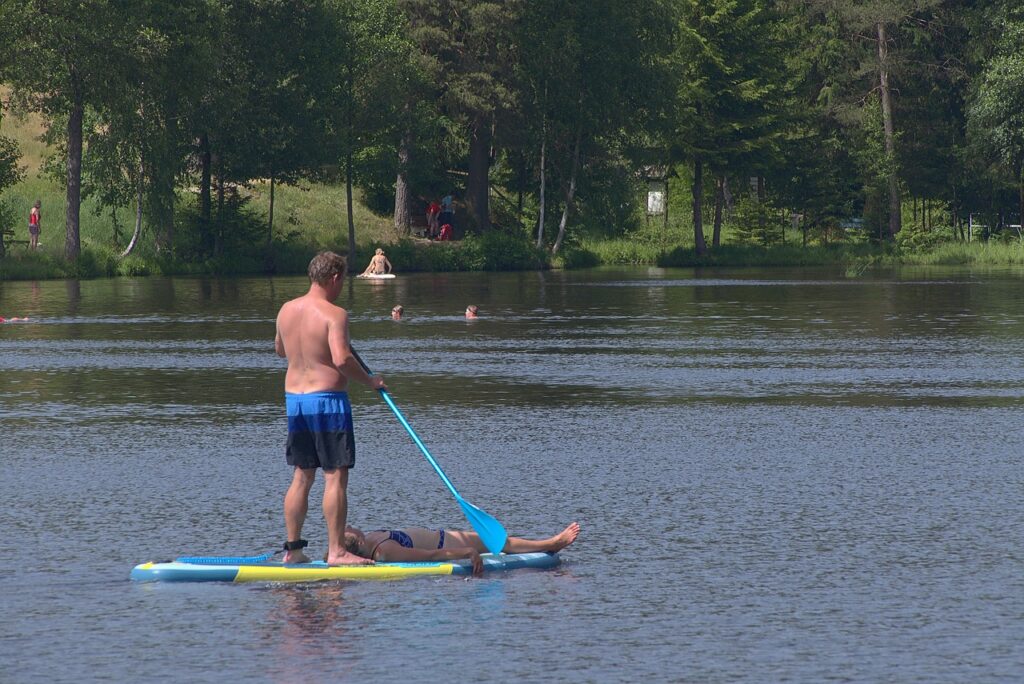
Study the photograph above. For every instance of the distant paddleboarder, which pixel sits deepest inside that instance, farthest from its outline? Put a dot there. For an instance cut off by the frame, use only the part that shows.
(379, 264)
(312, 333)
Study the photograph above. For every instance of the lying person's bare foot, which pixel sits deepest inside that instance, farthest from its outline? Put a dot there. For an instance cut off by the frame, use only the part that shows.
(565, 537)
(346, 558)
(295, 556)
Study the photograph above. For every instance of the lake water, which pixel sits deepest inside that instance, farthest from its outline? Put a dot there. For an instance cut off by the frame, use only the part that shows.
(780, 476)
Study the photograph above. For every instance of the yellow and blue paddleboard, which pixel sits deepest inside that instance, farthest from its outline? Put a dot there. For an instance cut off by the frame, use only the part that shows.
(182, 570)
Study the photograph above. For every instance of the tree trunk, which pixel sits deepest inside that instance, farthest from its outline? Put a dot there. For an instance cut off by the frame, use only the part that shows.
(270, 220)
(72, 239)
(762, 219)
(522, 186)
(895, 209)
(699, 244)
(218, 236)
(402, 219)
(348, 207)
(716, 235)
(543, 184)
(571, 193)
(169, 215)
(1020, 204)
(140, 188)
(478, 182)
(350, 137)
(205, 204)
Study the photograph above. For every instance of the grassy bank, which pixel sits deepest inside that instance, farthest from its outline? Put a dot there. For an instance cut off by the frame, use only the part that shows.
(312, 217)
(858, 257)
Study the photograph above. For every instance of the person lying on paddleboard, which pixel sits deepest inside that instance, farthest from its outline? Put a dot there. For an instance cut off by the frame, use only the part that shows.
(379, 264)
(417, 544)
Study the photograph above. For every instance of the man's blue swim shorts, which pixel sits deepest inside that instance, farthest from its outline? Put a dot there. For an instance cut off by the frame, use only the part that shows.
(320, 430)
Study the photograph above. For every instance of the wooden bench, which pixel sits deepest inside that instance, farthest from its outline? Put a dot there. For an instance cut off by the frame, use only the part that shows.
(7, 237)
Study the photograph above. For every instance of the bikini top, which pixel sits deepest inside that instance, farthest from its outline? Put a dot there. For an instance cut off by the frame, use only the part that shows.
(393, 535)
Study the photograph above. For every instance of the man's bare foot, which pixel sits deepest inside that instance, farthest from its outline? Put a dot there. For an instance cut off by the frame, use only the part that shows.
(565, 537)
(295, 556)
(347, 558)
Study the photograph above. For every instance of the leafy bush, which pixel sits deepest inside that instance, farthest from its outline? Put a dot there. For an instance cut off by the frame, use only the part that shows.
(576, 257)
(624, 251)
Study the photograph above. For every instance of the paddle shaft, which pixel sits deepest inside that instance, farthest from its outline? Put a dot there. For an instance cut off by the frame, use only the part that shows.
(491, 532)
(408, 428)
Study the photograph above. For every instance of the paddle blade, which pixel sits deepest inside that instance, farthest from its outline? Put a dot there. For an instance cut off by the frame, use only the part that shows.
(491, 532)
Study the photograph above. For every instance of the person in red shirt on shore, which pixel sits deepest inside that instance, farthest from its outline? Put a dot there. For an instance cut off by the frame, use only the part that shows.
(433, 211)
(446, 232)
(33, 225)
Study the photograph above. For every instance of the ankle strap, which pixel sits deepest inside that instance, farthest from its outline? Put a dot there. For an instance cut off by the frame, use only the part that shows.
(295, 545)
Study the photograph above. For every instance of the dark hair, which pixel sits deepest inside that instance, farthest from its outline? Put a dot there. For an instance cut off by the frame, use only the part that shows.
(325, 266)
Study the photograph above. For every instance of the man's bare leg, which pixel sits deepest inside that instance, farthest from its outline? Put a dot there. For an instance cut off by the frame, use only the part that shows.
(296, 503)
(336, 512)
(516, 544)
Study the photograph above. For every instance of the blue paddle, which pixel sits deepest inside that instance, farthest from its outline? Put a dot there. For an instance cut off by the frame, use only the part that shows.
(490, 530)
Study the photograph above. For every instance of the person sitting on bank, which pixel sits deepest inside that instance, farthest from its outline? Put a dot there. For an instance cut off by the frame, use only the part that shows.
(446, 232)
(379, 264)
(396, 312)
(471, 311)
(418, 544)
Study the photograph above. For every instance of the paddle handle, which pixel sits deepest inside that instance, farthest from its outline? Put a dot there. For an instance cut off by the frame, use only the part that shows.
(408, 428)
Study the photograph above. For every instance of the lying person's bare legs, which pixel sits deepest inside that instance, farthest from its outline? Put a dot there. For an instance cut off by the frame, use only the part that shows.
(515, 544)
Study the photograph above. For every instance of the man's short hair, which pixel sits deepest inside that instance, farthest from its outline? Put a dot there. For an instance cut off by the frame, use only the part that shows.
(325, 266)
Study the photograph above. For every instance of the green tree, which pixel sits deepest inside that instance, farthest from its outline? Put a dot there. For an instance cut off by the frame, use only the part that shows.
(728, 110)
(10, 174)
(470, 44)
(64, 59)
(997, 110)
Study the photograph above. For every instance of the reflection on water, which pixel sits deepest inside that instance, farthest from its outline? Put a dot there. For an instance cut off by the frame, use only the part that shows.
(780, 475)
(301, 619)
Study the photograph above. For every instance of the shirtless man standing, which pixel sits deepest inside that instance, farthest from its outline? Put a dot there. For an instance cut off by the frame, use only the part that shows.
(312, 333)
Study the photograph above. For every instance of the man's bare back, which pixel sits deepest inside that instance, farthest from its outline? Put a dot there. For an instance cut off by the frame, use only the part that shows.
(312, 333)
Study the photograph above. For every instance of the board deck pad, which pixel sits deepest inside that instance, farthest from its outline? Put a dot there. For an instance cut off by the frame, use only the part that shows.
(276, 571)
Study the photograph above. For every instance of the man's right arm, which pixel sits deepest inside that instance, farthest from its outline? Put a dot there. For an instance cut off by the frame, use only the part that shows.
(343, 357)
(278, 340)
